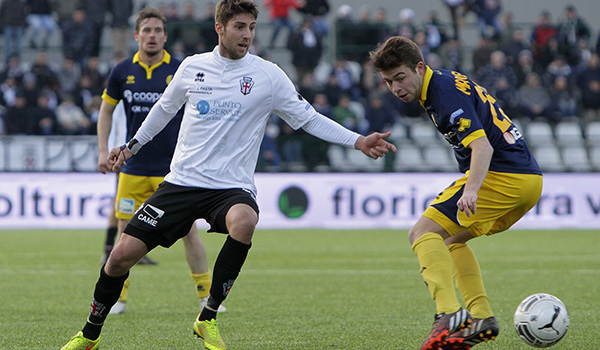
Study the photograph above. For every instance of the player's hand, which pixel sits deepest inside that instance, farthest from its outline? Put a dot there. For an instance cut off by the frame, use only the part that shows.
(467, 203)
(374, 144)
(103, 165)
(118, 157)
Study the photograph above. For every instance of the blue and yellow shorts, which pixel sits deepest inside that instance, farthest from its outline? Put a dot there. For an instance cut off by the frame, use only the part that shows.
(502, 200)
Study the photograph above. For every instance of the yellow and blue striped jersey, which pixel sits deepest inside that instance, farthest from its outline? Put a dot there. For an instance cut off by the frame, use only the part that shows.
(463, 111)
(140, 86)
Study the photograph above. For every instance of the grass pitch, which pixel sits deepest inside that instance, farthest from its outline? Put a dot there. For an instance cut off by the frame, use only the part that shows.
(303, 289)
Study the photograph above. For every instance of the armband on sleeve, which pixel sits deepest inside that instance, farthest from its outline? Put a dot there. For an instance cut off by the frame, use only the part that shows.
(133, 146)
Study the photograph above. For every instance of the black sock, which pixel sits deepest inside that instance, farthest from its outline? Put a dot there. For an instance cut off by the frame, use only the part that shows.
(227, 268)
(111, 233)
(106, 295)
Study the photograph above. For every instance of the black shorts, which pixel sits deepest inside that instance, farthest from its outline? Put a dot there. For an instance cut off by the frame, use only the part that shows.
(172, 210)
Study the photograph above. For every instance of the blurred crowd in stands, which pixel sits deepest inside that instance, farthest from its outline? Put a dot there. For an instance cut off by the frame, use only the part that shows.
(548, 70)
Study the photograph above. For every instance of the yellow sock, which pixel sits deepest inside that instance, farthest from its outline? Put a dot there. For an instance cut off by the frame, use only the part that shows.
(436, 269)
(203, 282)
(467, 275)
(124, 291)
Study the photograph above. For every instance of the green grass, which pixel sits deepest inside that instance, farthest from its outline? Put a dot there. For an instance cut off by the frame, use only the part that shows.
(304, 289)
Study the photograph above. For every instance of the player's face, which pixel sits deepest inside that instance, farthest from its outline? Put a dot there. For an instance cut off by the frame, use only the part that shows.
(404, 82)
(151, 37)
(235, 38)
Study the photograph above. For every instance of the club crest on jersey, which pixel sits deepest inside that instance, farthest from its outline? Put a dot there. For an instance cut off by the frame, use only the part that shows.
(246, 85)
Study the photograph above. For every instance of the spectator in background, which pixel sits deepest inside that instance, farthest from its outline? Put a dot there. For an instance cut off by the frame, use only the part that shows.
(564, 100)
(306, 47)
(451, 54)
(95, 75)
(456, 8)
(571, 30)
(543, 30)
(435, 32)
(559, 67)
(307, 87)
(17, 120)
(508, 97)
(489, 74)
(279, 13)
(30, 89)
(482, 53)
(187, 30)
(10, 90)
(44, 74)
(12, 20)
(514, 46)
(171, 11)
(343, 114)
(43, 116)
(345, 29)
(346, 81)
(525, 65)
(535, 99)
(318, 10)
(69, 76)
(588, 81)
(77, 37)
(314, 150)
(487, 17)
(96, 12)
(210, 38)
(380, 117)
(407, 27)
(40, 22)
(120, 11)
(64, 10)
(71, 119)
(12, 69)
(550, 53)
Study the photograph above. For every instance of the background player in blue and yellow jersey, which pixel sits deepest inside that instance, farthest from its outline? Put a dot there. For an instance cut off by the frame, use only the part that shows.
(502, 182)
(139, 82)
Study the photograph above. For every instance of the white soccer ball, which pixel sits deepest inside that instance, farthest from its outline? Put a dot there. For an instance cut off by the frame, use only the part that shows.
(541, 320)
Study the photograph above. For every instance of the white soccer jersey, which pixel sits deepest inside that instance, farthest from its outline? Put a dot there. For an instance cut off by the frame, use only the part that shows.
(228, 103)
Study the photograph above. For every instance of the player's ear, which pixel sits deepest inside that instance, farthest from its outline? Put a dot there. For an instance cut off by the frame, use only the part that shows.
(219, 28)
(420, 68)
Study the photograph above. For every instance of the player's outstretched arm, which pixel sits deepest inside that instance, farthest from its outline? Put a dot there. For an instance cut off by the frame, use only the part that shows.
(374, 145)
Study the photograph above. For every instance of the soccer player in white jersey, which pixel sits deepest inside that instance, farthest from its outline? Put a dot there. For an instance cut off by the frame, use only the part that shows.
(228, 96)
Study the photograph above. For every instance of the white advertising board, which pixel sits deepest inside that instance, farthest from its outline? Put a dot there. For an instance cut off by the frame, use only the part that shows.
(293, 200)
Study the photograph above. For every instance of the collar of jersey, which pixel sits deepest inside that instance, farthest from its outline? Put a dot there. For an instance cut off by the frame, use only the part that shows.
(426, 79)
(166, 59)
(229, 63)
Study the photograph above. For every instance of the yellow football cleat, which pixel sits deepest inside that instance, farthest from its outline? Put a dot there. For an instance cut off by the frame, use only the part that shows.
(209, 332)
(79, 342)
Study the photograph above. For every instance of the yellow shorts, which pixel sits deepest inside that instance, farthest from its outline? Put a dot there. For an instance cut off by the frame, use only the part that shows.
(502, 200)
(132, 191)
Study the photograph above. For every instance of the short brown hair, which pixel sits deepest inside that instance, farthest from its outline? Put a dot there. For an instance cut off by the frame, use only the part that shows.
(227, 9)
(395, 52)
(149, 12)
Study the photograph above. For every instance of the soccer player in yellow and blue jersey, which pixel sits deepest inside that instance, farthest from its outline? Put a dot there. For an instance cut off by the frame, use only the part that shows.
(502, 182)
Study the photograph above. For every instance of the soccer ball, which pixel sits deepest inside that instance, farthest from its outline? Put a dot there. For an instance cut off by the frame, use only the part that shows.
(541, 320)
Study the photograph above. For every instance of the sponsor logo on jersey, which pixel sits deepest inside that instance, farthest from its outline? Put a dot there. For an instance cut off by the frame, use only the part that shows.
(455, 114)
(150, 214)
(130, 79)
(200, 77)
(229, 111)
(246, 85)
(141, 96)
(126, 206)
